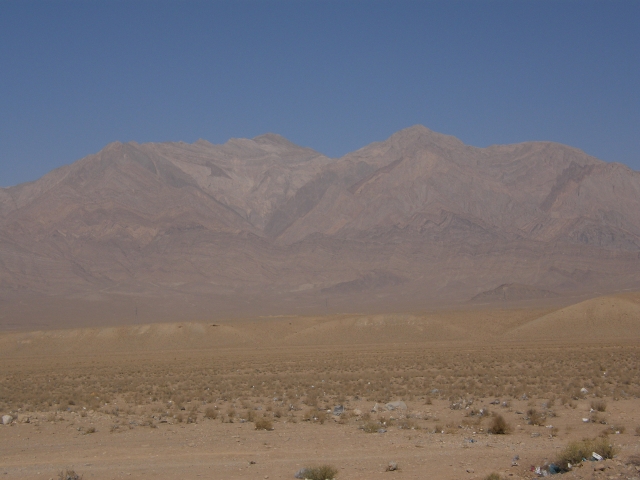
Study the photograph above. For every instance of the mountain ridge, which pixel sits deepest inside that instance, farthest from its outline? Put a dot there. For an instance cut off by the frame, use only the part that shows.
(418, 219)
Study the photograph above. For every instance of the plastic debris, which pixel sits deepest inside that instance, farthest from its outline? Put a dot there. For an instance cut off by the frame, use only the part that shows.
(596, 457)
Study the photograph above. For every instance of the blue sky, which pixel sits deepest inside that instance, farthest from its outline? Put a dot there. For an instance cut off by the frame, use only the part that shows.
(331, 75)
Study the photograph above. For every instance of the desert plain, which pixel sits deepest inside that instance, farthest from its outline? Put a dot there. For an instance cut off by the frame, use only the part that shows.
(416, 309)
(258, 398)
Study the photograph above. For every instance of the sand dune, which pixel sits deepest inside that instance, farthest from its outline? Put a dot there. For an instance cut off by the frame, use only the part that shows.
(602, 319)
(599, 319)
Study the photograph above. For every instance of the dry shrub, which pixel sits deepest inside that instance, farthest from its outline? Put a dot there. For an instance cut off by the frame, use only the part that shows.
(312, 399)
(323, 472)
(407, 424)
(499, 426)
(613, 429)
(316, 416)
(264, 424)
(535, 417)
(371, 427)
(69, 474)
(211, 413)
(574, 452)
(634, 460)
(492, 476)
(599, 405)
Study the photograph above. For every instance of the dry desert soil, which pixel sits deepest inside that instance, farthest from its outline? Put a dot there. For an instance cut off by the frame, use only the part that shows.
(255, 398)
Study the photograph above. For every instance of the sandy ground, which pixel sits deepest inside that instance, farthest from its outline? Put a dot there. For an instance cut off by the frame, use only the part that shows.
(212, 449)
(142, 441)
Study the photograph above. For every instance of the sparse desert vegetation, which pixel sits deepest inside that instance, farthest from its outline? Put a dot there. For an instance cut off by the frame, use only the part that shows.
(576, 451)
(499, 426)
(215, 385)
(458, 397)
(322, 472)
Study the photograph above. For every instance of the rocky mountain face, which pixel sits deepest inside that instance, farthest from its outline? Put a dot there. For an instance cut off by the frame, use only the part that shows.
(417, 220)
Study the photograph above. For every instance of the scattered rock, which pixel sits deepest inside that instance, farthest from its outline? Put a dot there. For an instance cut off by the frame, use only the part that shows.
(357, 412)
(397, 405)
(338, 410)
(392, 467)
(7, 419)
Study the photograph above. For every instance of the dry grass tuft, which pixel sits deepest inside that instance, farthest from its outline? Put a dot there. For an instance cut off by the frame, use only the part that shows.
(264, 424)
(535, 417)
(323, 472)
(211, 413)
(499, 426)
(371, 427)
(492, 476)
(574, 452)
(69, 474)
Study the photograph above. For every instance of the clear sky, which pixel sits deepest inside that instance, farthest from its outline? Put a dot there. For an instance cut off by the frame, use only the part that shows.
(331, 75)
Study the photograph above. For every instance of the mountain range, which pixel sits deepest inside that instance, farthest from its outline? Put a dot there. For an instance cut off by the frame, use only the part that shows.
(265, 227)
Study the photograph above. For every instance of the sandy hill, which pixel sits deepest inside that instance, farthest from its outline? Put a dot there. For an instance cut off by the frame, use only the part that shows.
(602, 320)
(263, 226)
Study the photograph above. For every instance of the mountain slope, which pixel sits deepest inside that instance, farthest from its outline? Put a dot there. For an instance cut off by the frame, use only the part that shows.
(413, 221)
